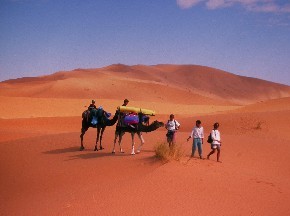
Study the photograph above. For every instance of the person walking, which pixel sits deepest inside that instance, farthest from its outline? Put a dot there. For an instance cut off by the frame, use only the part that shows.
(120, 123)
(172, 126)
(198, 135)
(216, 142)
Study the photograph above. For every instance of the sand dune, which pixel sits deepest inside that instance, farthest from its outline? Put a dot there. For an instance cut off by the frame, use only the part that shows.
(44, 173)
(206, 81)
(57, 107)
(177, 83)
(280, 104)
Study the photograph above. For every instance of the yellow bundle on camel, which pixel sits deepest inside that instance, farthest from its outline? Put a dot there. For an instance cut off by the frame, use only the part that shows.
(126, 109)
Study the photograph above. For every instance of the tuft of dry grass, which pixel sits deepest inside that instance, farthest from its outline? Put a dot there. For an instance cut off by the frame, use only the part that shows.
(166, 153)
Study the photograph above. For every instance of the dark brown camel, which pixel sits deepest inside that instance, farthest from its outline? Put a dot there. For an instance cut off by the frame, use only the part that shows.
(121, 130)
(101, 126)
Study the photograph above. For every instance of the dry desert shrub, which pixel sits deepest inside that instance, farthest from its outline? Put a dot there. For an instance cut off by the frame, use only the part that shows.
(166, 153)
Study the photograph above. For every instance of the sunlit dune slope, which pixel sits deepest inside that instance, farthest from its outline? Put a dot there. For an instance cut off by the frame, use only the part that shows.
(184, 84)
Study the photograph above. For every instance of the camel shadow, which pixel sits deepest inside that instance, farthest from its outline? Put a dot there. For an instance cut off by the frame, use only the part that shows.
(63, 151)
(90, 154)
(95, 155)
(150, 151)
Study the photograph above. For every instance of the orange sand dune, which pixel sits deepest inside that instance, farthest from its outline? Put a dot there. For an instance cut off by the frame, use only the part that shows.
(108, 87)
(58, 107)
(44, 173)
(205, 81)
(184, 84)
(268, 119)
(280, 104)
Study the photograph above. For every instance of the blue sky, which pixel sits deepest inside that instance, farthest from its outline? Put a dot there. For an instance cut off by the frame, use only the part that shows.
(245, 37)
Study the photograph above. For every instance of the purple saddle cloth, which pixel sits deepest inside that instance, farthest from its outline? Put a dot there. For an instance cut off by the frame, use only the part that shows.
(131, 119)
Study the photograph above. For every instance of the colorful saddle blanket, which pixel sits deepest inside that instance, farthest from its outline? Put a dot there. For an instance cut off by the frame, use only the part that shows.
(131, 119)
(95, 116)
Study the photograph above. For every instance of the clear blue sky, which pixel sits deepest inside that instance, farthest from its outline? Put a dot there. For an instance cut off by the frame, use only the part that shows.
(246, 37)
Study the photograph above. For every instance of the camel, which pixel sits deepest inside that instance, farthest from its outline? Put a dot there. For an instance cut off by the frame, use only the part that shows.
(121, 130)
(101, 126)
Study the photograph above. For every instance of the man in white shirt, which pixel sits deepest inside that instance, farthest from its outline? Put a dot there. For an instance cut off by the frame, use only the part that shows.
(198, 135)
(172, 126)
(216, 143)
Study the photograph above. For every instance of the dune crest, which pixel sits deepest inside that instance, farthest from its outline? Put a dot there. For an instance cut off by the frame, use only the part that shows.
(184, 84)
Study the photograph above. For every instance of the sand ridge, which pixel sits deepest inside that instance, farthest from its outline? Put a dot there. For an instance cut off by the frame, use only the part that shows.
(176, 83)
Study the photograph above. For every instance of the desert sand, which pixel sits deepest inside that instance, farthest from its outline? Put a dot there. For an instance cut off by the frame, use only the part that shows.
(44, 173)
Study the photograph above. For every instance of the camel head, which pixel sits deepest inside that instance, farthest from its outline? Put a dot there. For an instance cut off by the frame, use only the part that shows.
(158, 124)
(152, 127)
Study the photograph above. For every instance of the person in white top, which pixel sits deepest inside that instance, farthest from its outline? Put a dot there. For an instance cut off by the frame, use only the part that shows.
(172, 126)
(216, 143)
(198, 135)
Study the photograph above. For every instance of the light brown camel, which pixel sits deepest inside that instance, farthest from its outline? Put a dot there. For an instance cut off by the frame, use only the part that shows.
(121, 130)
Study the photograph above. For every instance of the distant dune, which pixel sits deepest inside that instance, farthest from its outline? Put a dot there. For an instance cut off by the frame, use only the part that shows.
(183, 84)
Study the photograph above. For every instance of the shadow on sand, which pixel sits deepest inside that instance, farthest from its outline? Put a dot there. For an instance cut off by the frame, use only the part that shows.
(90, 154)
(97, 154)
(151, 160)
(152, 151)
(63, 151)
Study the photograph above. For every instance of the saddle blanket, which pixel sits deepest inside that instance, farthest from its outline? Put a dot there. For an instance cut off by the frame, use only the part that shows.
(131, 119)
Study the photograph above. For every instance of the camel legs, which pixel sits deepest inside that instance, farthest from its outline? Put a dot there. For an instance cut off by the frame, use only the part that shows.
(142, 142)
(97, 139)
(100, 132)
(120, 141)
(83, 131)
(120, 135)
(115, 140)
(133, 143)
(101, 137)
